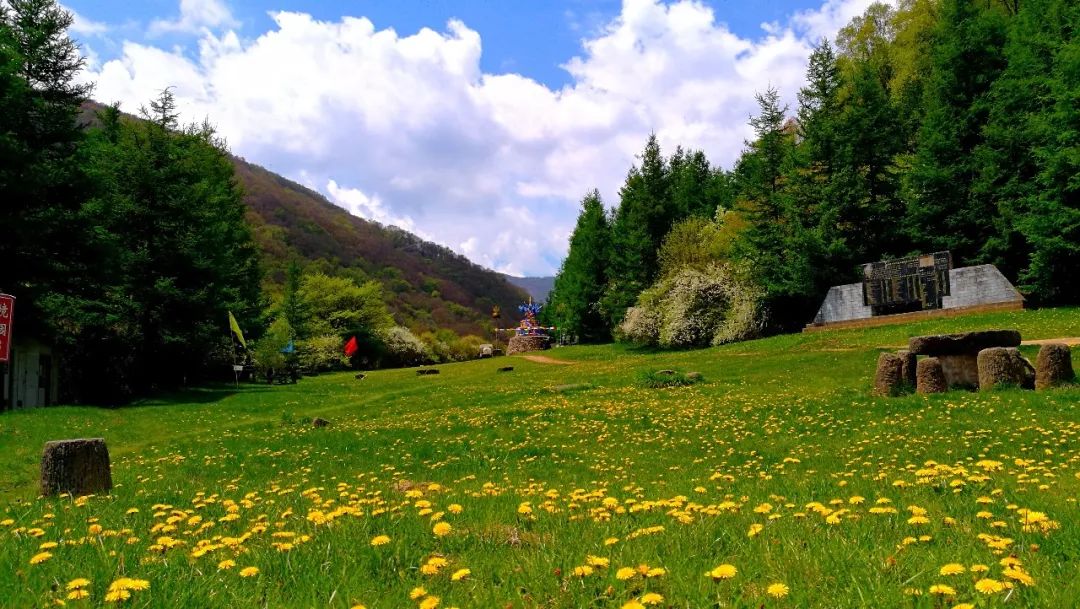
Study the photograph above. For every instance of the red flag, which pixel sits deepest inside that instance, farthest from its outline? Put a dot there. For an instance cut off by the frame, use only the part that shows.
(351, 347)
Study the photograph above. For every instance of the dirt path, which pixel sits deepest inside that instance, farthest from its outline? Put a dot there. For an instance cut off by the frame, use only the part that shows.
(1071, 341)
(543, 359)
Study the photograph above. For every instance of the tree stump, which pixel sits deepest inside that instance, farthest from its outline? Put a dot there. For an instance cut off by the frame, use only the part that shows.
(1053, 366)
(319, 422)
(1004, 367)
(79, 467)
(889, 375)
(930, 377)
(908, 361)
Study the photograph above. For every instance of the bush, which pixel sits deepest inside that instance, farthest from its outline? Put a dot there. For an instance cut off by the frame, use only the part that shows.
(402, 348)
(321, 353)
(665, 378)
(693, 308)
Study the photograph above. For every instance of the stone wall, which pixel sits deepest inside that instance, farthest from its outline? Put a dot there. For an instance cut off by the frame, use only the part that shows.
(974, 288)
(521, 344)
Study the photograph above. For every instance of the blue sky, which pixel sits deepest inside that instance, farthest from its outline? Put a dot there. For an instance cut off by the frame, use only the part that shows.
(478, 125)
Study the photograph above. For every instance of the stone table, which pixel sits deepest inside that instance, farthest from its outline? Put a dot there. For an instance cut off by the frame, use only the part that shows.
(959, 353)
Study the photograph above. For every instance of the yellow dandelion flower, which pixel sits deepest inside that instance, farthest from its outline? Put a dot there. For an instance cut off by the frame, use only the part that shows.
(430, 602)
(77, 594)
(656, 572)
(597, 561)
(454, 508)
(417, 592)
(989, 586)
(953, 568)
(611, 541)
(358, 606)
(583, 571)
(724, 571)
(249, 572)
(460, 574)
(943, 590)
(633, 605)
(441, 529)
(40, 557)
(651, 598)
(77, 583)
(226, 564)
(1018, 575)
(755, 529)
(963, 606)
(380, 540)
(777, 590)
(625, 573)
(115, 596)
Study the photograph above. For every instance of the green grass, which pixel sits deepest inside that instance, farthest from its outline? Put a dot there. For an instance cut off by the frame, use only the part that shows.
(546, 477)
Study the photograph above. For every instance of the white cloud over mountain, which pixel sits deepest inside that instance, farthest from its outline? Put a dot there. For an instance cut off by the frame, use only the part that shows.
(408, 130)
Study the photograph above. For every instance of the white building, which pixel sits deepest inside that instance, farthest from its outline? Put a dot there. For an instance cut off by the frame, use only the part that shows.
(31, 376)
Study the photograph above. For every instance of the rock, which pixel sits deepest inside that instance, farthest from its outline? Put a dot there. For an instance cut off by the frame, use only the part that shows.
(908, 361)
(79, 467)
(887, 379)
(506, 369)
(521, 343)
(694, 376)
(319, 422)
(966, 343)
(571, 387)
(1004, 367)
(930, 377)
(961, 370)
(361, 376)
(427, 371)
(1053, 366)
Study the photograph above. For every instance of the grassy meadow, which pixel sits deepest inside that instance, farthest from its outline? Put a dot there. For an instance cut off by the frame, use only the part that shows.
(777, 481)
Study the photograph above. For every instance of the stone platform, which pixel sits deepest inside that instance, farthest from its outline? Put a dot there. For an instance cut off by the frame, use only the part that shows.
(522, 344)
(975, 289)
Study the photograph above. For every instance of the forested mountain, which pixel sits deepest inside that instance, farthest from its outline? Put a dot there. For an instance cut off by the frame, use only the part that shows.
(428, 286)
(537, 287)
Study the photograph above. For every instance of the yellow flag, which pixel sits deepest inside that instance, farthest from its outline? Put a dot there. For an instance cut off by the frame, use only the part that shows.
(235, 327)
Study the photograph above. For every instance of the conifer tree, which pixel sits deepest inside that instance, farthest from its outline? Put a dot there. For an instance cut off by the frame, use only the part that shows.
(579, 286)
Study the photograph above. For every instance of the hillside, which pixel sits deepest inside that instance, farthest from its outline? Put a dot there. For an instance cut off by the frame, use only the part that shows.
(537, 287)
(779, 467)
(428, 286)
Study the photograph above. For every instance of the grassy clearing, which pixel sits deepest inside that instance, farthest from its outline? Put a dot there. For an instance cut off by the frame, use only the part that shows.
(779, 463)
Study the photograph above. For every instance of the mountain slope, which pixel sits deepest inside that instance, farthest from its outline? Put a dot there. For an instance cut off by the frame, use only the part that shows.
(428, 286)
(537, 287)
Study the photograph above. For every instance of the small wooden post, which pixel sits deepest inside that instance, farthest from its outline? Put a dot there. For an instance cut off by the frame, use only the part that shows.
(79, 467)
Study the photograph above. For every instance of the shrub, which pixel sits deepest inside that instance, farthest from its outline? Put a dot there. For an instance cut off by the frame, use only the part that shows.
(403, 348)
(321, 353)
(694, 307)
(665, 378)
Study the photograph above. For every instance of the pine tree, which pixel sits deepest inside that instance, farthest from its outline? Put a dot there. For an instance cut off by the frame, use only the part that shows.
(966, 57)
(579, 286)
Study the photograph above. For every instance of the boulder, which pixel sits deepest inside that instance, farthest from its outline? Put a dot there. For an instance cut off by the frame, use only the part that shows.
(966, 343)
(79, 467)
(908, 361)
(522, 343)
(694, 376)
(360, 376)
(427, 371)
(961, 370)
(506, 369)
(888, 378)
(1053, 366)
(1004, 367)
(930, 377)
(319, 422)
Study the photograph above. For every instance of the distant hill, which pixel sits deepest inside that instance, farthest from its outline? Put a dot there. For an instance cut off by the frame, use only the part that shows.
(537, 287)
(428, 286)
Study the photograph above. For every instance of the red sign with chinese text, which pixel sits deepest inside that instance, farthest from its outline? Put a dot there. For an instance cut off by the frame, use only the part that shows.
(7, 314)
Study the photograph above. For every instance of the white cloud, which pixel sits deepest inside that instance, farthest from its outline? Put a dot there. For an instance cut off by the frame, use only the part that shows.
(81, 26)
(196, 16)
(492, 164)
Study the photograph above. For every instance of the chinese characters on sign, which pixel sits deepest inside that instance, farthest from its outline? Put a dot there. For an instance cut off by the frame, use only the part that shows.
(7, 313)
